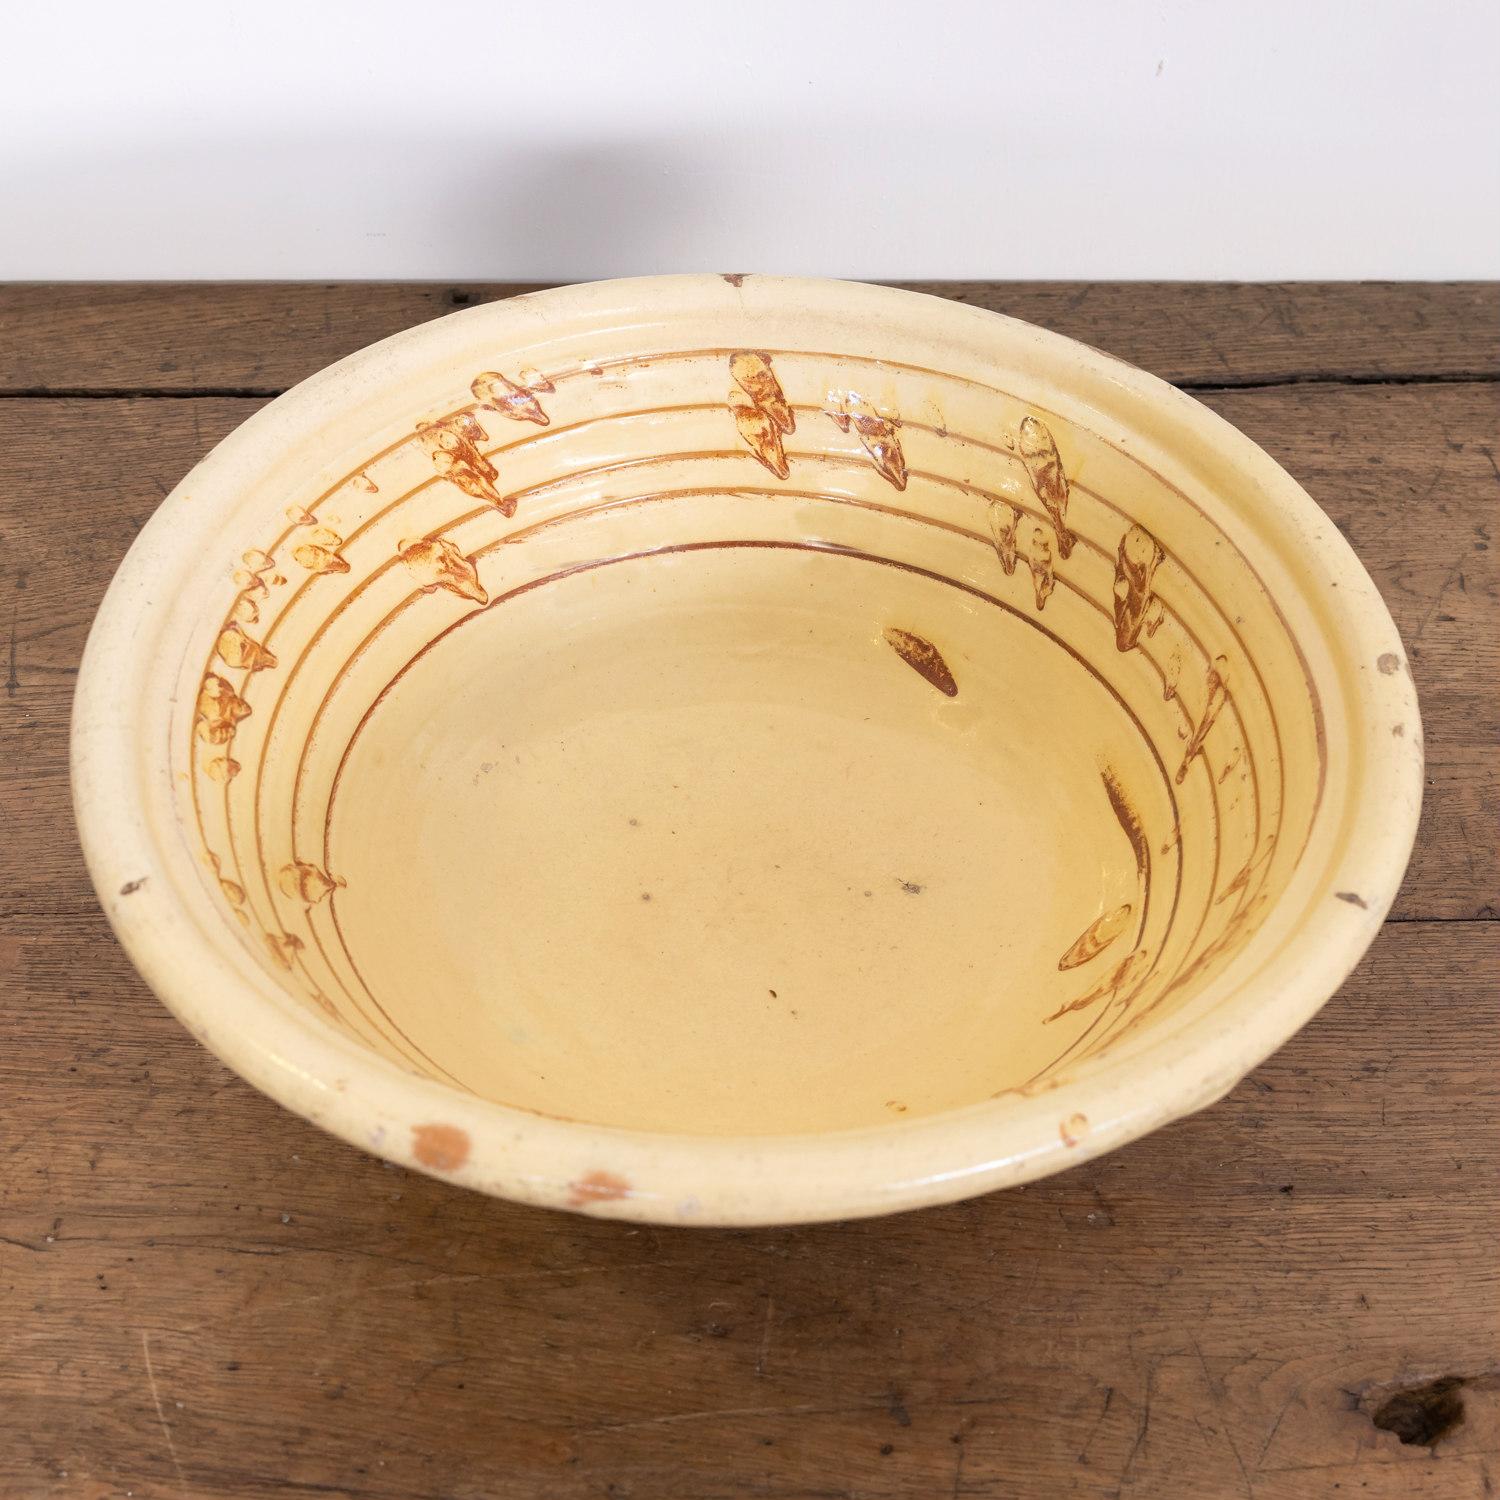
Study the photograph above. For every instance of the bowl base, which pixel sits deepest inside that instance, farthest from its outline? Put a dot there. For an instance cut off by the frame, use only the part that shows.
(702, 841)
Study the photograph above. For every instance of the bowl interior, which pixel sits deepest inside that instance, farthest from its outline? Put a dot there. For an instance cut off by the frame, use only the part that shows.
(742, 718)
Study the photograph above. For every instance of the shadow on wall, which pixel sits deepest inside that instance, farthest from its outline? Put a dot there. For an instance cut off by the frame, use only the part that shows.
(604, 209)
(375, 208)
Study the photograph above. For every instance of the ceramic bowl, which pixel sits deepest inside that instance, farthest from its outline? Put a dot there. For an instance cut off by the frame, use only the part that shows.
(726, 749)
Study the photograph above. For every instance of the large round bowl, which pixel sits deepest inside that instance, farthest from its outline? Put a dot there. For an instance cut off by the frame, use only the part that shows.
(726, 749)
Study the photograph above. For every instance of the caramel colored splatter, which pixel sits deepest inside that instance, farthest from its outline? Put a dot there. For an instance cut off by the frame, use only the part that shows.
(284, 947)
(752, 372)
(245, 609)
(1004, 519)
(221, 768)
(923, 658)
(234, 893)
(895, 1106)
(1043, 577)
(453, 445)
(1130, 822)
(1218, 694)
(254, 580)
(437, 564)
(1106, 989)
(1388, 662)
(320, 552)
(760, 431)
(362, 481)
(1171, 675)
(1241, 881)
(441, 1148)
(1074, 1130)
(876, 433)
(734, 278)
(1096, 937)
(515, 399)
(238, 650)
(306, 882)
(1044, 468)
(597, 1187)
(1238, 920)
(218, 710)
(1136, 561)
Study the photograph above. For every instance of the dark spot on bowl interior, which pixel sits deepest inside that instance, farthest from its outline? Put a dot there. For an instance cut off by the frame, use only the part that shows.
(910, 887)
(132, 886)
(1388, 662)
(1354, 899)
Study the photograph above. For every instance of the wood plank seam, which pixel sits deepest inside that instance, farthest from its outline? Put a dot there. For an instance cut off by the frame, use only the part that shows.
(227, 392)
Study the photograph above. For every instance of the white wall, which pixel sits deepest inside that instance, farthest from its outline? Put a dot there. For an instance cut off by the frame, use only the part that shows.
(888, 138)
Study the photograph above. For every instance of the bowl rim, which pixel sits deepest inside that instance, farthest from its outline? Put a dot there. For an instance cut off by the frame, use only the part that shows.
(658, 1177)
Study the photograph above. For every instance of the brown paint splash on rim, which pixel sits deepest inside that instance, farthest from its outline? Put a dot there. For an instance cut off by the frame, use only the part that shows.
(1388, 662)
(443, 1148)
(734, 278)
(597, 1187)
(1354, 899)
(923, 658)
(1074, 1130)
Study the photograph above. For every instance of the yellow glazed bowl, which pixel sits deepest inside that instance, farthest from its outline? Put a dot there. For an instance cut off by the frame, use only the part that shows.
(734, 750)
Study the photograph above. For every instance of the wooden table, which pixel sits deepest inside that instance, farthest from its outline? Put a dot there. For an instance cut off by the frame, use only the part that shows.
(201, 1295)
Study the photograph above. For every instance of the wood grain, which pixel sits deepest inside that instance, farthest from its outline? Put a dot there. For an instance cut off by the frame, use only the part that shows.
(250, 337)
(202, 1296)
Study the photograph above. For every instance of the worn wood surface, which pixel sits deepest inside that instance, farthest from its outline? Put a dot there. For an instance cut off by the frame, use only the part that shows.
(200, 1295)
(248, 338)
